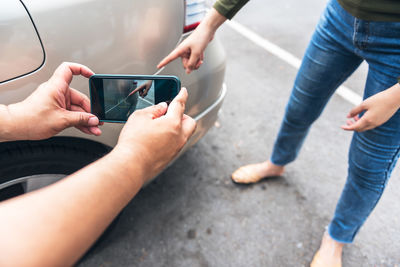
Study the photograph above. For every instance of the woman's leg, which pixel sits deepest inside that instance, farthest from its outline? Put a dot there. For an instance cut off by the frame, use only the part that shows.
(372, 157)
(328, 61)
(373, 153)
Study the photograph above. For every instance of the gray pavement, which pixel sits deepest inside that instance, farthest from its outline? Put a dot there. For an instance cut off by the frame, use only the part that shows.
(193, 215)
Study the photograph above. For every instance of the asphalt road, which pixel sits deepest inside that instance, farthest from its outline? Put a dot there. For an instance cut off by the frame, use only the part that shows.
(193, 215)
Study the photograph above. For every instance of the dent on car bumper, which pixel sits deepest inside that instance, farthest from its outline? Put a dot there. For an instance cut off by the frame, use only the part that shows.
(206, 119)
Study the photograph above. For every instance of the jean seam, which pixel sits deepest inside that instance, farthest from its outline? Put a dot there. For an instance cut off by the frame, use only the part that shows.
(355, 32)
(388, 170)
(367, 33)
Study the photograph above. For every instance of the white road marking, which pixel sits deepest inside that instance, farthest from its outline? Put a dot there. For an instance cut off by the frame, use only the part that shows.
(292, 60)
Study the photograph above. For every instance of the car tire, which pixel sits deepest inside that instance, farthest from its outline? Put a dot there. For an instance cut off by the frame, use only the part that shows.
(57, 155)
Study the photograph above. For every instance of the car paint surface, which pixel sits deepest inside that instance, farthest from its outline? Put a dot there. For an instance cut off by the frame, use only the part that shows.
(21, 51)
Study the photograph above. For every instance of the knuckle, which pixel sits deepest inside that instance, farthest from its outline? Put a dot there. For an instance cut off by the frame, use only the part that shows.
(64, 65)
(176, 126)
(82, 118)
(180, 102)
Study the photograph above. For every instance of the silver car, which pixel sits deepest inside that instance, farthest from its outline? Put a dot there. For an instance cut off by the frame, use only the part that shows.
(113, 37)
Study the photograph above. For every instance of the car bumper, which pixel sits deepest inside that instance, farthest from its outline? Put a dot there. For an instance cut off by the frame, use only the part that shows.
(206, 119)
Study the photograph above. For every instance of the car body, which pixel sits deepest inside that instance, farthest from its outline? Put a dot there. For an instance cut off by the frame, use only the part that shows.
(110, 37)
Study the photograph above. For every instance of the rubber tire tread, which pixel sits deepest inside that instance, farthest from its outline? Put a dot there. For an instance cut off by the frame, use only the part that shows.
(57, 155)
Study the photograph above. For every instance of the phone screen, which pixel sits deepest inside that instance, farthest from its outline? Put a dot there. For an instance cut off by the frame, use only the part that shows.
(114, 98)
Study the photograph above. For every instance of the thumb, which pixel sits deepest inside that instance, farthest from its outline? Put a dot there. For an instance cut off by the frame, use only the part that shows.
(157, 111)
(82, 119)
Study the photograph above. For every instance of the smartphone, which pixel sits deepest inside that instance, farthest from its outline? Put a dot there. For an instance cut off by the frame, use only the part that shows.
(114, 98)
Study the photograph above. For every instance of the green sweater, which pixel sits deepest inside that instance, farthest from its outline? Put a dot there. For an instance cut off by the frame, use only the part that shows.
(372, 10)
(228, 8)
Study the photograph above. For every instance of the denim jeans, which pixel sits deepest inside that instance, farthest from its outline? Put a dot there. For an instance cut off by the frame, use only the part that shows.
(338, 46)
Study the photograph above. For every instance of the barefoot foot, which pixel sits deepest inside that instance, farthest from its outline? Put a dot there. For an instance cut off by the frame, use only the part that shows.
(255, 172)
(329, 254)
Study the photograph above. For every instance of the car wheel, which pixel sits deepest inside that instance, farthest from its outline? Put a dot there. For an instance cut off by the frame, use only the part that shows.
(29, 165)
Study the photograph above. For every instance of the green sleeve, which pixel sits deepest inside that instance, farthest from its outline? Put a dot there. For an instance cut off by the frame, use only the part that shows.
(228, 8)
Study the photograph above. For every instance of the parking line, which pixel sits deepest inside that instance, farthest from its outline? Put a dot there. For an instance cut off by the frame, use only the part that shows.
(292, 60)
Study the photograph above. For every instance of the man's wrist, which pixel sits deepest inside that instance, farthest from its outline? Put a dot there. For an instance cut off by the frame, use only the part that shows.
(18, 121)
(129, 164)
(9, 126)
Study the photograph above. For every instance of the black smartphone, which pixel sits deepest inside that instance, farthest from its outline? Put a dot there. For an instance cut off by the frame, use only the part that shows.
(114, 98)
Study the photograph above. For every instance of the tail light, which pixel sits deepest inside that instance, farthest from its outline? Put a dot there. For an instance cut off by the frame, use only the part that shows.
(195, 12)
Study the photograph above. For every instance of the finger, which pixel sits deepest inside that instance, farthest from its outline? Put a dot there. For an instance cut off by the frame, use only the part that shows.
(67, 69)
(134, 91)
(193, 60)
(83, 129)
(95, 130)
(185, 62)
(79, 118)
(177, 52)
(177, 106)
(358, 126)
(80, 99)
(156, 111)
(188, 126)
(77, 108)
(355, 111)
(89, 130)
(199, 64)
(349, 122)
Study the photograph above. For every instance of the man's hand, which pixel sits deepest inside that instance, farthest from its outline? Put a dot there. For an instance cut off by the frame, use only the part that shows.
(153, 136)
(378, 109)
(53, 107)
(191, 50)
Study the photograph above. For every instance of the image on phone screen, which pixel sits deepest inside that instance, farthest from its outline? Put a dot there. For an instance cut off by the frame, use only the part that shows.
(116, 99)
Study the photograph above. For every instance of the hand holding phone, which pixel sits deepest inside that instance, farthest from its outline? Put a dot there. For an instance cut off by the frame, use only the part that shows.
(161, 132)
(115, 97)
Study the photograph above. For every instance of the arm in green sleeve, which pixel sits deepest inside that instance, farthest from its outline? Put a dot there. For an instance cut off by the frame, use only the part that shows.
(228, 8)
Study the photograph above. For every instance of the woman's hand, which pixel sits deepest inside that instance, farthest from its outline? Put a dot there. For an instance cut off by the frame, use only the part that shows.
(191, 50)
(378, 109)
(143, 89)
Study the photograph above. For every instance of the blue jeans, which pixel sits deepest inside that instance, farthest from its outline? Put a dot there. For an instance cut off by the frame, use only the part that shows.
(339, 44)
